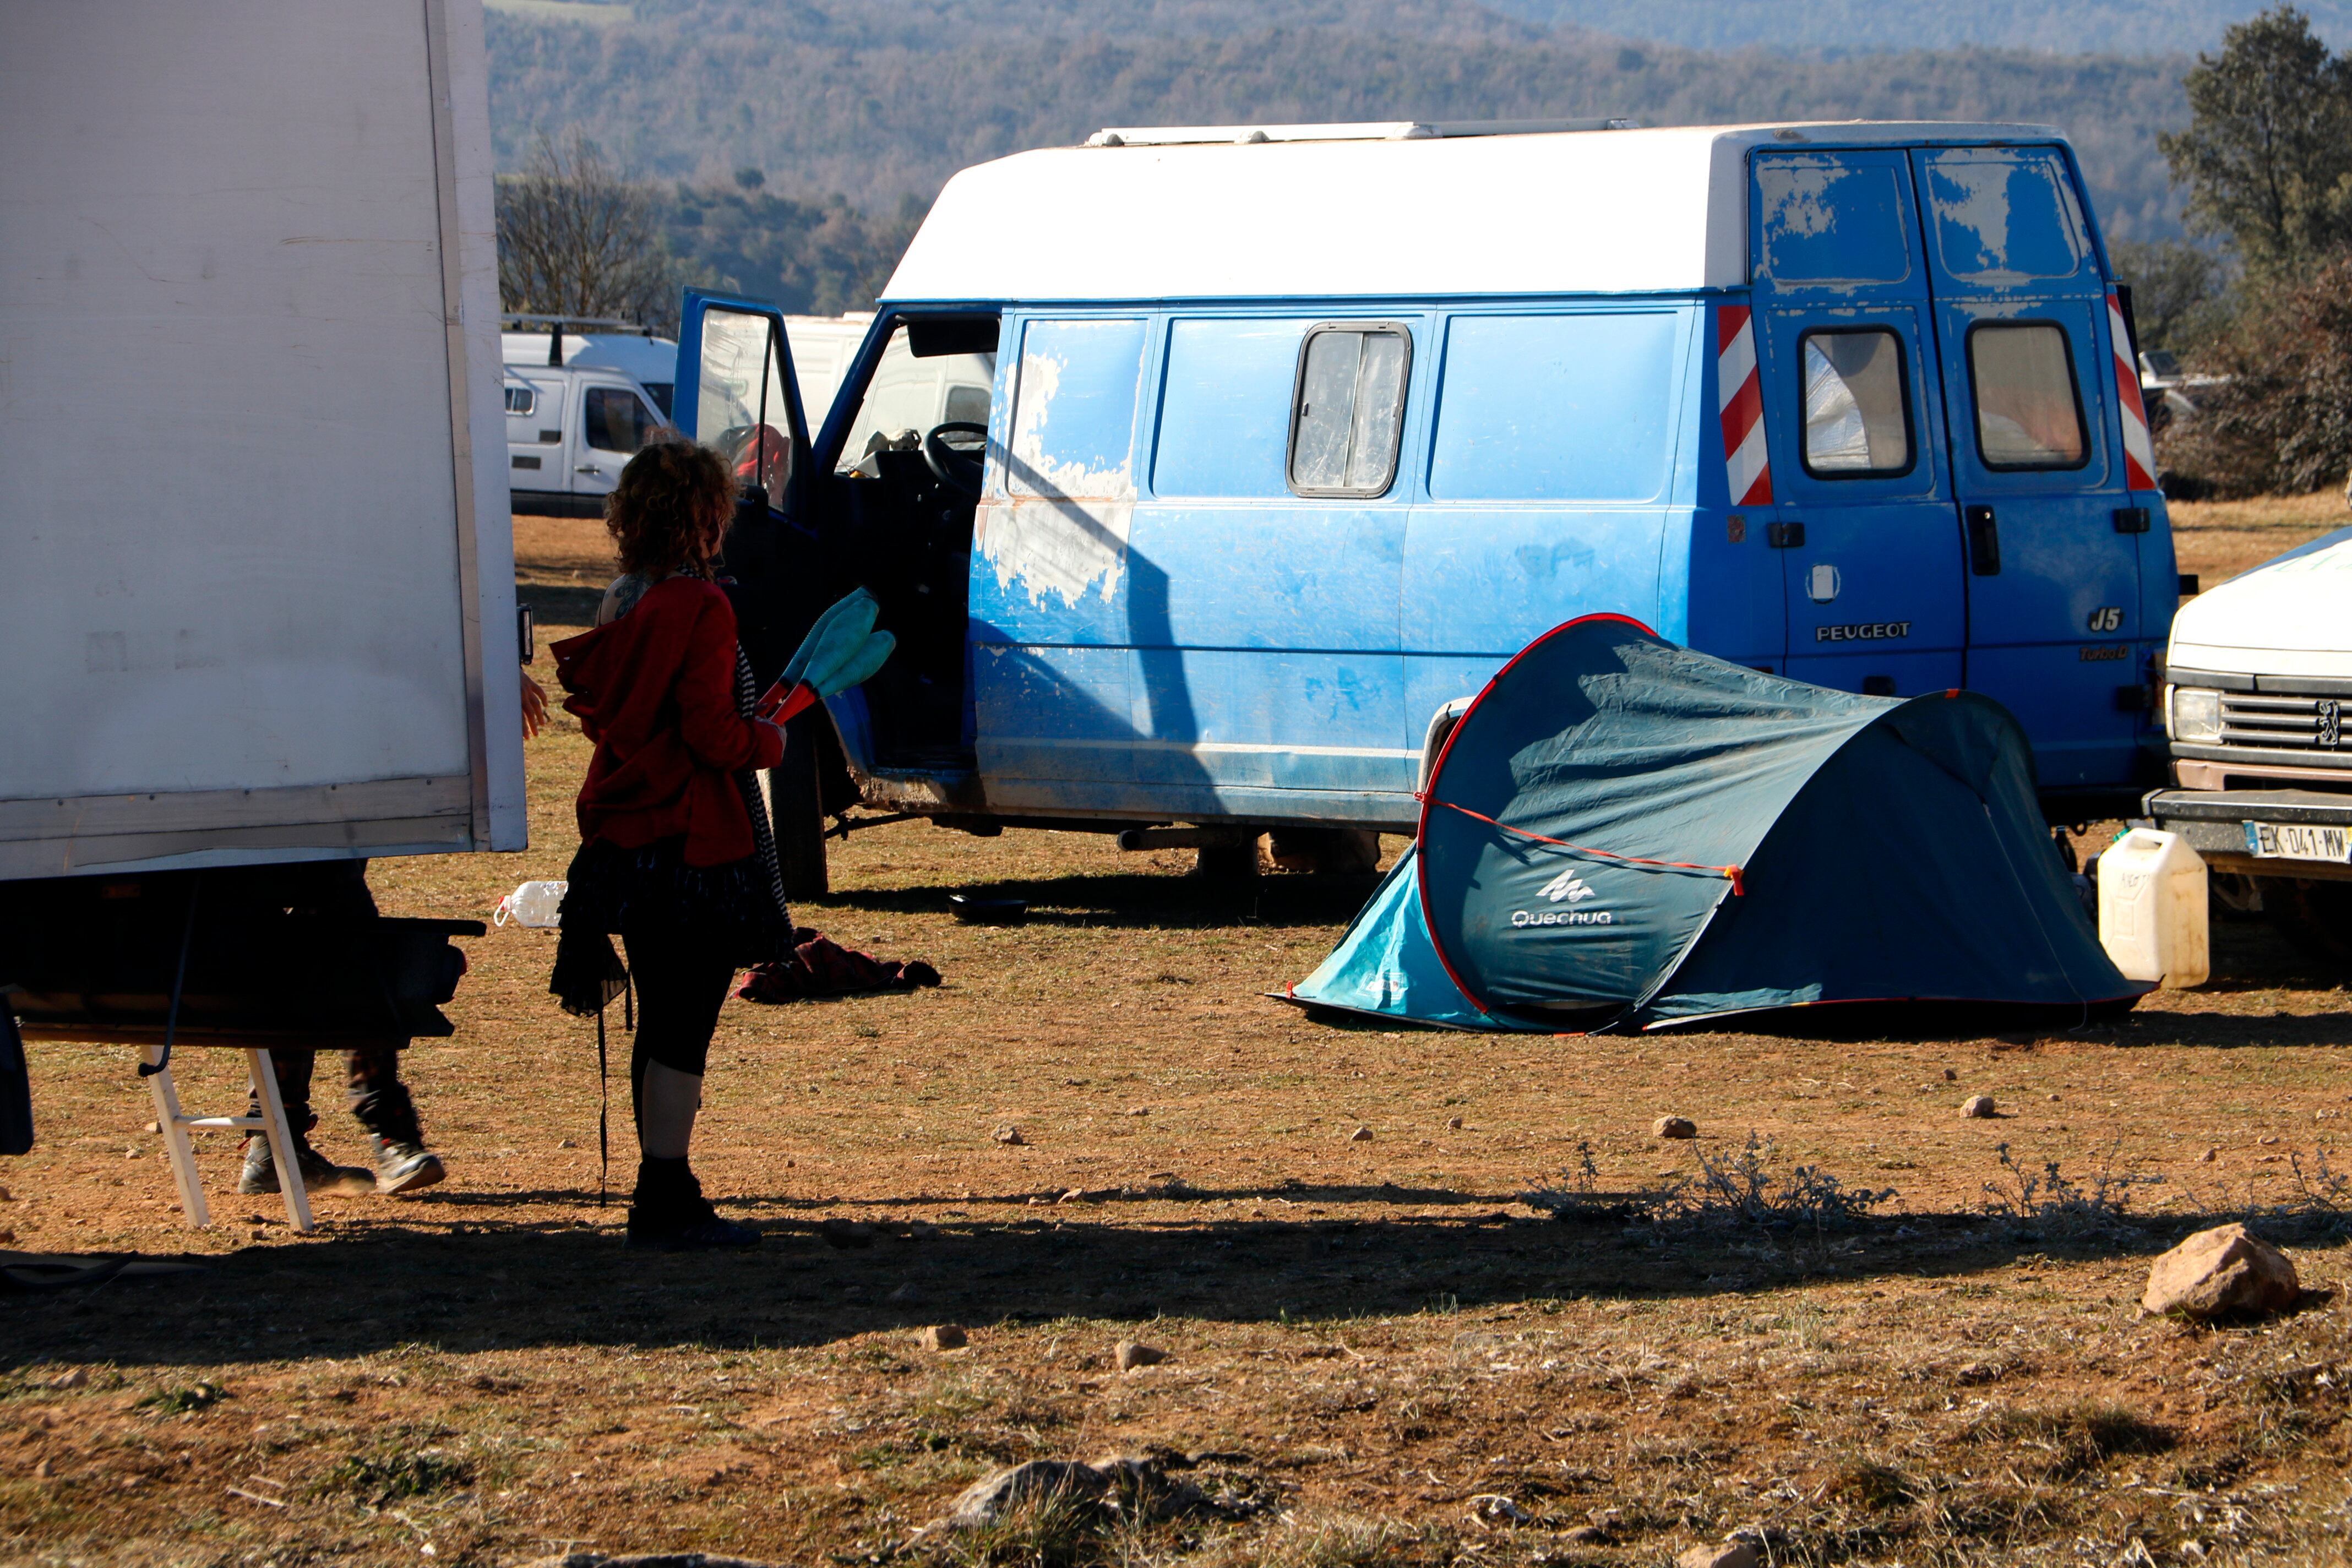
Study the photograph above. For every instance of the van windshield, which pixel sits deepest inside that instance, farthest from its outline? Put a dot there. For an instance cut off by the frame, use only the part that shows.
(908, 397)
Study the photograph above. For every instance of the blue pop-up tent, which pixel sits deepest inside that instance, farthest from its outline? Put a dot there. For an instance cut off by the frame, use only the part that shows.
(1622, 831)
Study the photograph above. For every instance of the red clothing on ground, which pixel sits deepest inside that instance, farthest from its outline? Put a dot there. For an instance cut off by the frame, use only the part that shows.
(655, 691)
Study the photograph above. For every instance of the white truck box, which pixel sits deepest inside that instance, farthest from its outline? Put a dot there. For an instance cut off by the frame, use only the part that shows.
(254, 531)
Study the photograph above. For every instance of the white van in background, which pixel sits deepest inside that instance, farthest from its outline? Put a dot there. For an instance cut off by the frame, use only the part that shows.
(578, 407)
(906, 394)
(2257, 686)
(822, 348)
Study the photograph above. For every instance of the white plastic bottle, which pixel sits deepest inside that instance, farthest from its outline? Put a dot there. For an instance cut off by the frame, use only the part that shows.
(2152, 909)
(532, 904)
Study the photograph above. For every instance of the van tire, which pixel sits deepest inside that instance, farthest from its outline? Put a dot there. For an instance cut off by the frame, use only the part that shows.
(796, 808)
(1227, 865)
(1333, 851)
(2317, 916)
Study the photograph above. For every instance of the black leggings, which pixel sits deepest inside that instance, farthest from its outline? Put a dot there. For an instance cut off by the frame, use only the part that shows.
(378, 1098)
(680, 988)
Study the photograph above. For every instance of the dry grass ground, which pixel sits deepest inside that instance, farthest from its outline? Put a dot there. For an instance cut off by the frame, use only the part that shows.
(2217, 540)
(1367, 1339)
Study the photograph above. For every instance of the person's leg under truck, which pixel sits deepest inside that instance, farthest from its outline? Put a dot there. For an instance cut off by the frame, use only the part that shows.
(382, 1103)
(292, 1071)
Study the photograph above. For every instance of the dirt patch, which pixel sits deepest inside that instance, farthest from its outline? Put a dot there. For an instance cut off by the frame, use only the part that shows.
(562, 567)
(1511, 1291)
(2218, 539)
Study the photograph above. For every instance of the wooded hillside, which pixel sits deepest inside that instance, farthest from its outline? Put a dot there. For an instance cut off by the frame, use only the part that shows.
(879, 102)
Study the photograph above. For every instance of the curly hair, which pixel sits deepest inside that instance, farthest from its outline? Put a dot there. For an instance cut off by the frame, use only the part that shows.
(667, 512)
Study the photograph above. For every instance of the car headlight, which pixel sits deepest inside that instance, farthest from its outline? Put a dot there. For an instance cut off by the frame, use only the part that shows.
(2196, 716)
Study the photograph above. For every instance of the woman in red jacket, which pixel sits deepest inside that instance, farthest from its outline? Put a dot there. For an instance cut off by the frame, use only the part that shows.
(675, 857)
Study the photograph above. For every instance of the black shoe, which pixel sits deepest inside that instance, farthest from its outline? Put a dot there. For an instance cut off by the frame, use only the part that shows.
(320, 1174)
(668, 1213)
(402, 1167)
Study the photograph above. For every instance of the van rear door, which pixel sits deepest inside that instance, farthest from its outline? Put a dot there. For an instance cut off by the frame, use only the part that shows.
(2053, 600)
(1865, 528)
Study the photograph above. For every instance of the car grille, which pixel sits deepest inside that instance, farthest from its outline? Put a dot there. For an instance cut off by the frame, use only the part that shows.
(2283, 723)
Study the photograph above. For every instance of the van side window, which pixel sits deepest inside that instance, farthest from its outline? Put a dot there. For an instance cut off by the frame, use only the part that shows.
(1347, 411)
(617, 420)
(522, 399)
(969, 404)
(1857, 409)
(1227, 398)
(2028, 413)
(1073, 434)
(1573, 406)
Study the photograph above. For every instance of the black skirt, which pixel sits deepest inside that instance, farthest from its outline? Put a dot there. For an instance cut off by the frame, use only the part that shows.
(731, 907)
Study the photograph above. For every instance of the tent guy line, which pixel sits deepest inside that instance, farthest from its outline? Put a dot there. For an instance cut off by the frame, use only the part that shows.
(1737, 876)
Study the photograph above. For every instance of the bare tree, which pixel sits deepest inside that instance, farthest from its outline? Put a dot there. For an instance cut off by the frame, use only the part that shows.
(575, 238)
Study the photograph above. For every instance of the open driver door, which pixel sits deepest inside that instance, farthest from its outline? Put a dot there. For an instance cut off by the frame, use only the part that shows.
(735, 393)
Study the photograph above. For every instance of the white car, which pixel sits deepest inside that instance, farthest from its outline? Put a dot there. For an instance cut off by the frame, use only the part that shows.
(2257, 686)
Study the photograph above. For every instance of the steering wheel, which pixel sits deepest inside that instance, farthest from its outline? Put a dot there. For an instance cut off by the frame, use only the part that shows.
(958, 466)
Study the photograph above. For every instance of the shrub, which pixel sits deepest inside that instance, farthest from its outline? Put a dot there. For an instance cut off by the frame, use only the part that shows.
(2279, 420)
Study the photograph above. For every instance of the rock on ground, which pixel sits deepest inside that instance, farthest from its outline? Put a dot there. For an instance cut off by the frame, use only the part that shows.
(1138, 1484)
(1673, 1127)
(988, 1498)
(2222, 1272)
(1729, 1555)
(846, 1234)
(943, 1337)
(1978, 1108)
(1131, 1355)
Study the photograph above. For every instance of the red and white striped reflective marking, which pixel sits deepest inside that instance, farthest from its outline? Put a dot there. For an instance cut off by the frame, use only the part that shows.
(2139, 451)
(1740, 394)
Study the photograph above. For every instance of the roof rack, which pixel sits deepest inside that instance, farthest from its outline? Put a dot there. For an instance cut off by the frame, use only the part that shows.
(1361, 130)
(555, 326)
(1528, 127)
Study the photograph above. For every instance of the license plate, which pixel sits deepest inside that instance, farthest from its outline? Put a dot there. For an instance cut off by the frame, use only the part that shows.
(2297, 841)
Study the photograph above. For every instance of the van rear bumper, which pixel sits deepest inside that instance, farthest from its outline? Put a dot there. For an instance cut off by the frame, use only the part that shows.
(2214, 822)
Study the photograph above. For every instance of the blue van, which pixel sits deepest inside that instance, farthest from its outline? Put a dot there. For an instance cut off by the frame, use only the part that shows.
(1292, 436)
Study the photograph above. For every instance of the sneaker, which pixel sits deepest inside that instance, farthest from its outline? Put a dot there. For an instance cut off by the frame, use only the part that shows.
(320, 1174)
(404, 1167)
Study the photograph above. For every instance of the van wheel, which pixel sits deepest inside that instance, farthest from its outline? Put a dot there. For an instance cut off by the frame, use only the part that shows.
(796, 809)
(1337, 851)
(2317, 916)
(1227, 864)
(2235, 897)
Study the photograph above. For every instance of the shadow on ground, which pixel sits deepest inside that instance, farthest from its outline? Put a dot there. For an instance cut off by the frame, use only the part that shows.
(1140, 899)
(476, 1284)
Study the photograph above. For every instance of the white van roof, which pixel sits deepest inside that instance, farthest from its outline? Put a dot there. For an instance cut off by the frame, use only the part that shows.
(1416, 210)
(633, 354)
